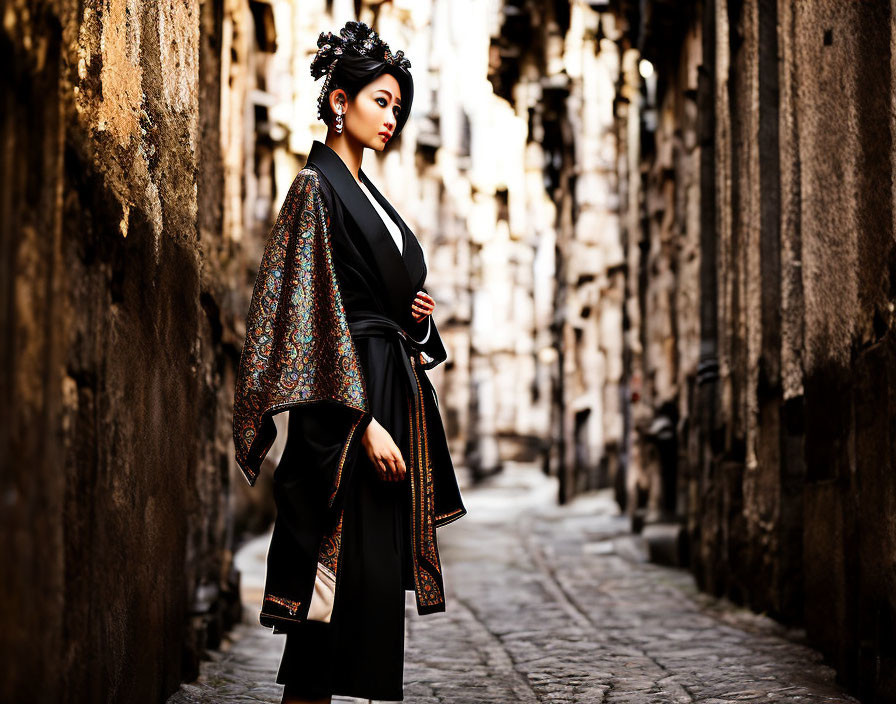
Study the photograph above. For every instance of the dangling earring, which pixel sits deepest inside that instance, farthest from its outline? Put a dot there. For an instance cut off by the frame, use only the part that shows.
(339, 122)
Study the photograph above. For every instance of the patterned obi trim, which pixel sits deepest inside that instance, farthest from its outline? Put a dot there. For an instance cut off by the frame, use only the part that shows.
(428, 583)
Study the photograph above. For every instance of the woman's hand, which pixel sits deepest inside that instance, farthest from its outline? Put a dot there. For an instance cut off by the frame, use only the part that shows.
(422, 306)
(383, 452)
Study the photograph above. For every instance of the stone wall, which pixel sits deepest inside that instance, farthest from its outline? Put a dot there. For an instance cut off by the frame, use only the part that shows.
(116, 351)
(765, 206)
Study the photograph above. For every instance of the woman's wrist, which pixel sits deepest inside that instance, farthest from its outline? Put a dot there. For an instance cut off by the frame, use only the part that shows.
(365, 438)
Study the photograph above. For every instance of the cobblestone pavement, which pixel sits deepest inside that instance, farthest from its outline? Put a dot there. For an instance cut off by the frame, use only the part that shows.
(551, 604)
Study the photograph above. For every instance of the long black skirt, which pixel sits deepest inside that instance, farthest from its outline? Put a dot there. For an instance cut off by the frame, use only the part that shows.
(360, 652)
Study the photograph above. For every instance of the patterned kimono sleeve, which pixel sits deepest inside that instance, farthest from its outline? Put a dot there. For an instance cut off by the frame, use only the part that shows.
(298, 348)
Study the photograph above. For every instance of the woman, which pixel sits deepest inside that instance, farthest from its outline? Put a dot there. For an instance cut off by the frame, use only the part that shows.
(340, 333)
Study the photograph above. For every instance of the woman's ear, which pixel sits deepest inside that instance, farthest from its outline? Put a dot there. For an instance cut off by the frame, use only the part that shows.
(337, 98)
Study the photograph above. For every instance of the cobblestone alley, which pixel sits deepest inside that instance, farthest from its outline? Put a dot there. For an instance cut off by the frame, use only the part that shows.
(556, 605)
(642, 251)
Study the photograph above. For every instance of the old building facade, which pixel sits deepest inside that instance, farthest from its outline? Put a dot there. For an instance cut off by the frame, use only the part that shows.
(744, 220)
(756, 144)
(146, 150)
(547, 62)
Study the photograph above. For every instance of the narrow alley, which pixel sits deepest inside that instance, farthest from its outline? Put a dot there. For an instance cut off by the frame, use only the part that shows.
(551, 604)
(625, 270)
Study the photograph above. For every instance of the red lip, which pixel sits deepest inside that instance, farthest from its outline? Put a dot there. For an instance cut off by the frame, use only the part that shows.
(387, 135)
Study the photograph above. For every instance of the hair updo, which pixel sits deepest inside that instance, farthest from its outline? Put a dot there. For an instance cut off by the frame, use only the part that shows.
(354, 58)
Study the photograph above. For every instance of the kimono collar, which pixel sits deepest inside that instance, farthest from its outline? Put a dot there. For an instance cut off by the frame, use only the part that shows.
(402, 273)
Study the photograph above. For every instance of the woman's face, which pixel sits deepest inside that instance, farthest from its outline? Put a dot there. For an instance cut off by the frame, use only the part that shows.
(371, 117)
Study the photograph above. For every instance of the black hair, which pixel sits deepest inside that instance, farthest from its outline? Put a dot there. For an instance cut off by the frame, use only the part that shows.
(353, 72)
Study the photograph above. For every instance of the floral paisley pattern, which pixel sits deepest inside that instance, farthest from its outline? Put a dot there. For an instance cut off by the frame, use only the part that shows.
(298, 347)
(328, 555)
(426, 567)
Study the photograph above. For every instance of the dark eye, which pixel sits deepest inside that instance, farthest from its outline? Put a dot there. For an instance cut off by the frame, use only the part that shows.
(382, 104)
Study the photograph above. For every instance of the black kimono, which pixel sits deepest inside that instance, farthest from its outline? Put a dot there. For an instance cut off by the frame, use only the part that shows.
(330, 338)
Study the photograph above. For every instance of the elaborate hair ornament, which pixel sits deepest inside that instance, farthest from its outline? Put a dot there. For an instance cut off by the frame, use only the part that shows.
(356, 38)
